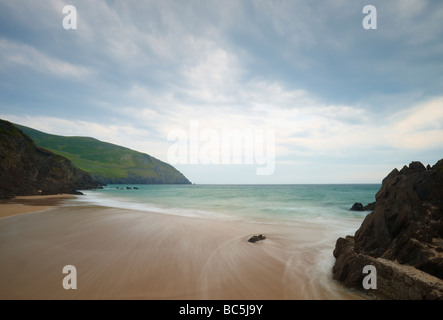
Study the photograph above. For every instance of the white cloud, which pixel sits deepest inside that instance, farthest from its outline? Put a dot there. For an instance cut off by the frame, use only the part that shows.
(14, 54)
(213, 77)
(420, 127)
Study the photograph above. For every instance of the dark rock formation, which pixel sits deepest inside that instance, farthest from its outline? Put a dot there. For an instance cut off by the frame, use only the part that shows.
(254, 239)
(26, 169)
(402, 237)
(359, 207)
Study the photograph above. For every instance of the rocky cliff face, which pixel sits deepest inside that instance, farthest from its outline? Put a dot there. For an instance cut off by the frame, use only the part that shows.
(402, 237)
(26, 169)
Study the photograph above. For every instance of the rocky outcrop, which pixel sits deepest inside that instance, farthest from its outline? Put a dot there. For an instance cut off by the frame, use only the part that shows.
(26, 169)
(360, 207)
(402, 237)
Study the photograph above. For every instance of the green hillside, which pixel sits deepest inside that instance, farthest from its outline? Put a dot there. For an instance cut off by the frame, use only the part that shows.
(108, 163)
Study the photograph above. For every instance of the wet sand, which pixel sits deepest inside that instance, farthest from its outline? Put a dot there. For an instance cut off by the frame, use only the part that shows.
(27, 204)
(125, 254)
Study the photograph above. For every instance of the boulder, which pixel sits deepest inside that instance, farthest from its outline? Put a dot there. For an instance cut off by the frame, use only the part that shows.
(405, 229)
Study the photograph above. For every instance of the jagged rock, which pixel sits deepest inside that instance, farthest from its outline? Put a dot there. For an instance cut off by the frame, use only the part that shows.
(256, 238)
(26, 169)
(406, 229)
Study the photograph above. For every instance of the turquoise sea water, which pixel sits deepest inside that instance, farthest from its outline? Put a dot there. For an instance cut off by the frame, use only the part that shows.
(323, 204)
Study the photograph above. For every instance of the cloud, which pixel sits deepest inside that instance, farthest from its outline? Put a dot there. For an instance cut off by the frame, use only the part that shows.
(420, 127)
(24, 56)
(303, 125)
(308, 70)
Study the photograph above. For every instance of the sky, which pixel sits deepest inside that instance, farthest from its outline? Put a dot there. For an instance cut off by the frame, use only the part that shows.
(241, 92)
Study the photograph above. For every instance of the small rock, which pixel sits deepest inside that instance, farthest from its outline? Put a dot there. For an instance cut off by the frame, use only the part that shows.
(254, 239)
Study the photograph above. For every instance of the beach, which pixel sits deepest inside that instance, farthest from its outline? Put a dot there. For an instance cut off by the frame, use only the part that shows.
(129, 254)
(28, 204)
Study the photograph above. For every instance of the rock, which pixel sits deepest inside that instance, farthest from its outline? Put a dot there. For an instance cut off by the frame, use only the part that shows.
(128, 188)
(26, 169)
(402, 237)
(369, 206)
(414, 166)
(254, 239)
(357, 207)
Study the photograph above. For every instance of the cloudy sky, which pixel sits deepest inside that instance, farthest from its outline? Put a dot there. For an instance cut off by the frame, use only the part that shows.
(324, 100)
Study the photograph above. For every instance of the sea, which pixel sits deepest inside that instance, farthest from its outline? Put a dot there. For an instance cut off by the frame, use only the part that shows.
(325, 204)
(305, 221)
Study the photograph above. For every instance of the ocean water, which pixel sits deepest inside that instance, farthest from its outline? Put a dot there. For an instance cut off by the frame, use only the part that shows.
(302, 223)
(277, 204)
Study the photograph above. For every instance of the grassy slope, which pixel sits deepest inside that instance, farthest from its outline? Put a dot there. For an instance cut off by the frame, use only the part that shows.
(107, 162)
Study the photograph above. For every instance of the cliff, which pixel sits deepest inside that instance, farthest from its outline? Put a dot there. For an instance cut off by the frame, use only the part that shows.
(26, 169)
(402, 237)
(106, 162)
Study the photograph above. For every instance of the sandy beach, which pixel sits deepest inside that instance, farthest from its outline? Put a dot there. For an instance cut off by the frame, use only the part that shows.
(28, 204)
(127, 254)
